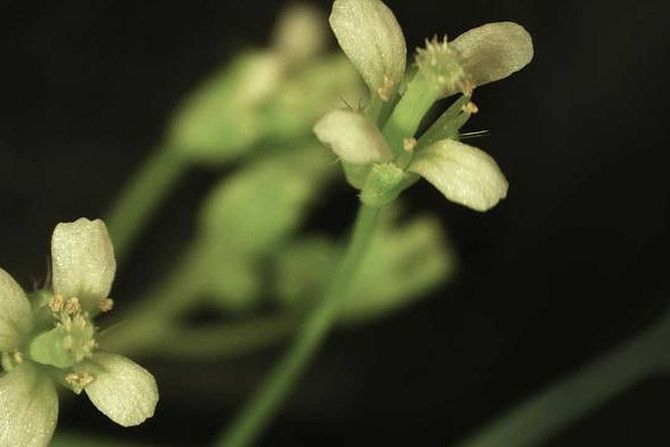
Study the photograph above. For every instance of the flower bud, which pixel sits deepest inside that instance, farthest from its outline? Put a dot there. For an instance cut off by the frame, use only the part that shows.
(464, 174)
(219, 121)
(300, 33)
(371, 37)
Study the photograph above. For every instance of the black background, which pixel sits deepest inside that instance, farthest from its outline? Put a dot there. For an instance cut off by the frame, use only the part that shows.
(574, 261)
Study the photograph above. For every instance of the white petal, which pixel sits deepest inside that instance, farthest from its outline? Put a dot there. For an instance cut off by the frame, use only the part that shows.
(464, 174)
(370, 36)
(15, 314)
(494, 51)
(83, 260)
(122, 389)
(352, 136)
(28, 407)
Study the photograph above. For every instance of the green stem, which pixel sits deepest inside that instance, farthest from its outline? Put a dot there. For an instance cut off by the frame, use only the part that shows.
(265, 402)
(227, 340)
(562, 404)
(145, 323)
(141, 196)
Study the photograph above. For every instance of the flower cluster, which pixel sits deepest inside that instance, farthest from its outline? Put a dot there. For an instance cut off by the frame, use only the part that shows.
(379, 147)
(50, 339)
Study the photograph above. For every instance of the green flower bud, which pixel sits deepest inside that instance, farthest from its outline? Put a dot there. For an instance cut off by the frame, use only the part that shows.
(318, 87)
(401, 265)
(464, 174)
(370, 36)
(299, 33)
(219, 121)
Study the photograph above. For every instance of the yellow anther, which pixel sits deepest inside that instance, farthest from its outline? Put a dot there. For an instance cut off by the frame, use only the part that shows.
(409, 144)
(17, 357)
(56, 303)
(72, 306)
(470, 107)
(105, 305)
(386, 89)
(78, 380)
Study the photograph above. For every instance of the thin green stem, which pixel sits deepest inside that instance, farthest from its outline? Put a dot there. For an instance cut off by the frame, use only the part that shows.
(265, 402)
(145, 323)
(141, 196)
(562, 404)
(227, 340)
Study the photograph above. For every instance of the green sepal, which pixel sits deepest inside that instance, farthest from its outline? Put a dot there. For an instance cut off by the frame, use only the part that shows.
(384, 184)
(356, 174)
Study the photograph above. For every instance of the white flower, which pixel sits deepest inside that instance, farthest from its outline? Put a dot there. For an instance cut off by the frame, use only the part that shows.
(54, 340)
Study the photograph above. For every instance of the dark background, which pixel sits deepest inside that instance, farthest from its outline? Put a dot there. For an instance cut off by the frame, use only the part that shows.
(574, 261)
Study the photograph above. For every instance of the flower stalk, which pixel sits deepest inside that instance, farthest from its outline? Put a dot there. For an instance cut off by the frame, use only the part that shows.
(549, 412)
(265, 402)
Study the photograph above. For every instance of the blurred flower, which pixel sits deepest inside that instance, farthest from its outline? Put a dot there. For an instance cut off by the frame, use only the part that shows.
(53, 341)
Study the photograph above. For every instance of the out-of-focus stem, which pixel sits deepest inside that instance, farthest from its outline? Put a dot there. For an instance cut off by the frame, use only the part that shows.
(265, 402)
(560, 405)
(141, 196)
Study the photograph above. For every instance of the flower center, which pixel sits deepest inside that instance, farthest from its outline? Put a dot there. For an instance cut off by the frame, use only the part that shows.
(70, 341)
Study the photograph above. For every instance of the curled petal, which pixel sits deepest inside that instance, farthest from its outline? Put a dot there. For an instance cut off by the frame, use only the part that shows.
(83, 263)
(29, 408)
(352, 136)
(370, 36)
(493, 51)
(15, 314)
(464, 174)
(121, 389)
